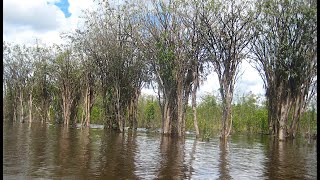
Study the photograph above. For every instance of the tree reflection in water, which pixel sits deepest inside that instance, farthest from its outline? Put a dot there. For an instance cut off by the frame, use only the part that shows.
(224, 166)
(117, 156)
(172, 158)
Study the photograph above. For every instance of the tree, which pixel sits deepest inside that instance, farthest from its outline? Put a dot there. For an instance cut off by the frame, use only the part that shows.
(17, 76)
(285, 52)
(66, 74)
(173, 60)
(227, 29)
(110, 39)
(41, 91)
(193, 46)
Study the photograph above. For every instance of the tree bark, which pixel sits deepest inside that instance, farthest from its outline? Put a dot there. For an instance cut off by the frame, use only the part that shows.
(285, 105)
(194, 110)
(295, 118)
(167, 119)
(180, 110)
(83, 115)
(21, 106)
(135, 109)
(226, 109)
(30, 107)
(130, 113)
(119, 112)
(66, 98)
(132, 109)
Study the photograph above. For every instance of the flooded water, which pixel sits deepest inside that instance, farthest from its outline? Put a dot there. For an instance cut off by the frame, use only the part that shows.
(52, 152)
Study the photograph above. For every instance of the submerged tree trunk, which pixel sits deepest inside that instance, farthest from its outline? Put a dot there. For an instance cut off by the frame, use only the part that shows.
(135, 110)
(273, 108)
(284, 112)
(170, 120)
(21, 106)
(166, 121)
(88, 105)
(14, 114)
(297, 111)
(130, 113)
(119, 111)
(226, 94)
(84, 111)
(132, 110)
(180, 110)
(67, 102)
(194, 110)
(30, 107)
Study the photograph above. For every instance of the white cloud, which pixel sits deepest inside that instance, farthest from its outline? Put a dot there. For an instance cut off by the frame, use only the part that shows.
(250, 80)
(210, 85)
(24, 21)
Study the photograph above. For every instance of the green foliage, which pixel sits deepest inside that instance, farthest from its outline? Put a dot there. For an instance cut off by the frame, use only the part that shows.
(209, 116)
(248, 116)
(308, 122)
(189, 119)
(97, 111)
(149, 115)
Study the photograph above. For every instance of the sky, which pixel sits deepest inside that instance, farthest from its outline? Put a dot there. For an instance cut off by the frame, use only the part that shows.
(45, 20)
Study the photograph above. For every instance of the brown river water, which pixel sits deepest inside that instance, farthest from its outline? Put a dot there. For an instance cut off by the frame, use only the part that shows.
(36, 151)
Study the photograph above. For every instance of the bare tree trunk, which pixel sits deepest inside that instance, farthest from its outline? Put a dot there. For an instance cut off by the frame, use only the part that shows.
(48, 114)
(130, 113)
(120, 118)
(194, 109)
(67, 113)
(64, 107)
(83, 114)
(180, 110)
(107, 109)
(66, 98)
(30, 107)
(273, 110)
(89, 113)
(84, 111)
(284, 112)
(226, 115)
(88, 106)
(295, 118)
(14, 114)
(135, 109)
(167, 119)
(21, 106)
(43, 117)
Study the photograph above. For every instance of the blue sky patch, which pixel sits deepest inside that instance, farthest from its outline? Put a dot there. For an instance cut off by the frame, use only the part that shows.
(64, 7)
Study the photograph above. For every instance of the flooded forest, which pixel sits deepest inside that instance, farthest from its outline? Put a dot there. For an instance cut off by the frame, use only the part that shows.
(76, 109)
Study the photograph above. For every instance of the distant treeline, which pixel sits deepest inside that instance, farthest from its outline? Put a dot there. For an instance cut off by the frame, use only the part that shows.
(98, 74)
